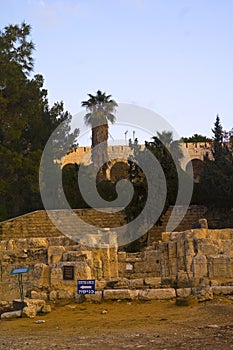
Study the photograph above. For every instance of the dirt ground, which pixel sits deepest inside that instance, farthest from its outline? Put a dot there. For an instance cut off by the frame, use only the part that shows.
(124, 325)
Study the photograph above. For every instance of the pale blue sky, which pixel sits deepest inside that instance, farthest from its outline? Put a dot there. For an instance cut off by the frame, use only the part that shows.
(174, 57)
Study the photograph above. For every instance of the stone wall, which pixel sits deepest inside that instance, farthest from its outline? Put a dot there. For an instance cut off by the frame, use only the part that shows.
(46, 259)
(183, 261)
(191, 257)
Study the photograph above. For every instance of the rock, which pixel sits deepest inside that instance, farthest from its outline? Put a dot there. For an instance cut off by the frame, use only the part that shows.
(157, 294)
(39, 321)
(201, 223)
(39, 295)
(46, 309)
(64, 294)
(204, 294)
(30, 311)
(11, 314)
(53, 295)
(121, 294)
(104, 312)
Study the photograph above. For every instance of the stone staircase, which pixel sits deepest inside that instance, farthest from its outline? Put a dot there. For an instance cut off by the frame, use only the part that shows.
(38, 223)
(194, 213)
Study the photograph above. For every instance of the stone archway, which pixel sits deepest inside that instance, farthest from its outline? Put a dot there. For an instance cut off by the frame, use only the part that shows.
(197, 165)
(118, 170)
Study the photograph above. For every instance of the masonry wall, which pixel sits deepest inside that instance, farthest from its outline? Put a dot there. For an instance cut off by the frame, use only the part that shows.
(191, 257)
(46, 259)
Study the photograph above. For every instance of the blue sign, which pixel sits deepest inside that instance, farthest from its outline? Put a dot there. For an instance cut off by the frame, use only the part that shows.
(86, 286)
(19, 271)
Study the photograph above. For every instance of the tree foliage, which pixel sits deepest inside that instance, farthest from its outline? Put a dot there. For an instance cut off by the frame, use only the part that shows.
(216, 184)
(196, 138)
(101, 109)
(26, 122)
(170, 168)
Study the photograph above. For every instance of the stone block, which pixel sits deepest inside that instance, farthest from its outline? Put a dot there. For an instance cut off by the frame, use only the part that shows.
(157, 294)
(64, 295)
(11, 314)
(204, 294)
(39, 295)
(37, 242)
(153, 281)
(222, 290)
(96, 298)
(121, 256)
(183, 292)
(53, 295)
(120, 294)
(99, 285)
(30, 311)
(55, 254)
(136, 283)
(41, 275)
(200, 266)
(219, 266)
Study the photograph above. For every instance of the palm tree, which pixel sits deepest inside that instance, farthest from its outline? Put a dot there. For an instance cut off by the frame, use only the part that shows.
(101, 109)
(166, 137)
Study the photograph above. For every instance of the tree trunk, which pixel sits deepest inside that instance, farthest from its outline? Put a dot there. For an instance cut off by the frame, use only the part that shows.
(100, 153)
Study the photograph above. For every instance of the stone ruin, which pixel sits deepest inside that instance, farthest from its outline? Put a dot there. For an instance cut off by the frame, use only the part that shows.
(197, 261)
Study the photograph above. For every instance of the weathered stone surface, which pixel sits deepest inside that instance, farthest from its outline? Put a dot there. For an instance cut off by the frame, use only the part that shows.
(200, 266)
(11, 314)
(121, 256)
(30, 311)
(120, 294)
(96, 298)
(33, 307)
(39, 295)
(64, 294)
(55, 254)
(203, 294)
(201, 223)
(222, 290)
(99, 285)
(53, 295)
(219, 266)
(46, 309)
(157, 294)
(136, 283)
(40, 275)
(183, 292)
(153, 281)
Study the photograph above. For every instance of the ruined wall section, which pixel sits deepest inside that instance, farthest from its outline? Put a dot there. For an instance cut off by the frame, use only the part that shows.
(48, 260)
(191, 257)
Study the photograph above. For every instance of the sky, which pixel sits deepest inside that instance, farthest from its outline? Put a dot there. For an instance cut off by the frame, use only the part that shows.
(174, 57)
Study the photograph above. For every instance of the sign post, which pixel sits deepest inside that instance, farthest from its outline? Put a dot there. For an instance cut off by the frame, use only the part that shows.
(19, 272)
(86, 287)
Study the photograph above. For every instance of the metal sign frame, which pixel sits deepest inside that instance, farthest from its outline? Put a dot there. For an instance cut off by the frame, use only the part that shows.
(19, 271)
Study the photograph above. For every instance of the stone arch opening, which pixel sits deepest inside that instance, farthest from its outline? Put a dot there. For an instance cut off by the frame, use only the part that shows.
(119, 170)
(198, 166)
